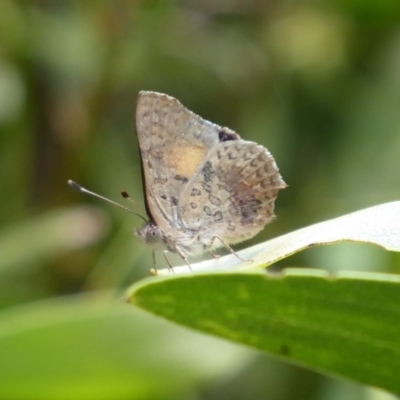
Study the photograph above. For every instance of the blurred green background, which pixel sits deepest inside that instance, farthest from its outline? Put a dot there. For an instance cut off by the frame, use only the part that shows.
(317, 82)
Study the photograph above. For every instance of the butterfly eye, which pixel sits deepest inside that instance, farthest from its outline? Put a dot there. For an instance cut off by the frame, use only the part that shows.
(153, 234)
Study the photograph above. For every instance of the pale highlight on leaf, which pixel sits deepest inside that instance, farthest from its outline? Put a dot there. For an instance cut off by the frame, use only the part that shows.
(379, 225)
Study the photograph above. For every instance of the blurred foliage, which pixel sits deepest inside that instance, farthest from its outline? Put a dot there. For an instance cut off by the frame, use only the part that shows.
(316, 82)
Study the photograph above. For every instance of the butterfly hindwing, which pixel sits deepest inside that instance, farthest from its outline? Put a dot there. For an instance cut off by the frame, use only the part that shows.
(232, 195)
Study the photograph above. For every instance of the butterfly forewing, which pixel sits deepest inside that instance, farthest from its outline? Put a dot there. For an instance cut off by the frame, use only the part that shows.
(173, 143)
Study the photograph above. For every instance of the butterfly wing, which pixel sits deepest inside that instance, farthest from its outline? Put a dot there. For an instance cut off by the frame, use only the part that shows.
(173, 143)
(233, 193)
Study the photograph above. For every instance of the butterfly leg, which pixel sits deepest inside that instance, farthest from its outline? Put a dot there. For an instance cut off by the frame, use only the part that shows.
(213, 254)
(184, 257)
(154, 261)
(170, 268)
(226, 245)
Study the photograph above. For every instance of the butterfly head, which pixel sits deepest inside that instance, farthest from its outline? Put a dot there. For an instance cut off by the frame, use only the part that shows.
(151, 234)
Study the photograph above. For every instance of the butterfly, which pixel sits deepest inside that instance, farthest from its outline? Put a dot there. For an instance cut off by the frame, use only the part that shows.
(204, 186)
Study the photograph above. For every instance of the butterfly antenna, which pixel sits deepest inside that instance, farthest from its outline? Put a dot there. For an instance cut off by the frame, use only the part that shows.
(81, 189)
(126, 196)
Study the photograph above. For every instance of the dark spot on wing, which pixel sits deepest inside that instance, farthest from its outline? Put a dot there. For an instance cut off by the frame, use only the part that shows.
(208, 171)
(181, 178)
(218, 216)
(233, 209)
(249, 211)
(225, 136)
(232, 156)
(214, 200)
(206, 187)
(195, 192)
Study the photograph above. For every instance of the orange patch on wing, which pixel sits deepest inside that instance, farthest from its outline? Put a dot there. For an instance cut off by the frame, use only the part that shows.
(185, 159)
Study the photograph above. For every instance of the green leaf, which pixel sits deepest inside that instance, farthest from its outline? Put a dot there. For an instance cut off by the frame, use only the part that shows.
(347, 325)
(97, 348)
(379, 225)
